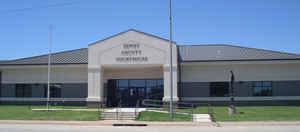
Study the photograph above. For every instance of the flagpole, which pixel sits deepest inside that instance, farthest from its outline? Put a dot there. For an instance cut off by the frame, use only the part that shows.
(171, 63)
(49, 66)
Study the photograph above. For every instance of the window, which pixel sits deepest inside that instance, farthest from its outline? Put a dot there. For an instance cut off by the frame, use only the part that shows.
(55, 90)
(219, 89)
(23, 90)
(155, 89)
(262, 88)
(146, 88)
(122, 88)
(38, 90)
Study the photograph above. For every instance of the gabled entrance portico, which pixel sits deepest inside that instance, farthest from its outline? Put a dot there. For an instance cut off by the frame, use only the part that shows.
(134, 58)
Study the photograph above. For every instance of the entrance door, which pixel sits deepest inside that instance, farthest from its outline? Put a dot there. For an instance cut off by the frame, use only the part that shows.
(129, 92)
(136, 95)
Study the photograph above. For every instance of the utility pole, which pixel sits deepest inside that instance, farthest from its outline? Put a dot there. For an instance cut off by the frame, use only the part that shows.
(171, 64)
(49, 65)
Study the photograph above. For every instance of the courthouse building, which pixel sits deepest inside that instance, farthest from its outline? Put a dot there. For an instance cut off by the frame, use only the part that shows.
(133, 65)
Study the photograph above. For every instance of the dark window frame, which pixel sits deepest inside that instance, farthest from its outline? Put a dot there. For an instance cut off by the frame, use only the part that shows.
(260, 89)
(158, 86)
(23, 90)
(214, 89)
(55, 92)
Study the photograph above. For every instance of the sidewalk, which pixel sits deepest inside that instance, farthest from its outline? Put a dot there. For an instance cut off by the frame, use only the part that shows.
(259, 123)
(62, 109)
(111, 122)
(105, 123)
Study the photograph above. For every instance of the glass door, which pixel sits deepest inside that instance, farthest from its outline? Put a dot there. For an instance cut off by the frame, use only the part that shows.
(137, 91)
(136, 95)
(128, 92)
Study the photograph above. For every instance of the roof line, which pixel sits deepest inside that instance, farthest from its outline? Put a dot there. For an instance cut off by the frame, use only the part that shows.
(203, 45)
(42, 64)
(128, 31)
(47, 54)
(281, 52)
(238, 60)
(153, 35)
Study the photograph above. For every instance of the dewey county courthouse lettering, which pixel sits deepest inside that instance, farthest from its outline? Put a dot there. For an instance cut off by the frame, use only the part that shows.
(134, 65)
(131, 52)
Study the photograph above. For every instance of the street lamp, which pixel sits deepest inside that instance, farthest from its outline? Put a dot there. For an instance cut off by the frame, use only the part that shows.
(171, 63)
(49, 66)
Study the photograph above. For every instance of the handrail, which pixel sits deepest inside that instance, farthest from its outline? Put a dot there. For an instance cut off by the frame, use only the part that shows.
(119, 109)
(162, 103)
(99, 107)
(136, 107)
(180, 105)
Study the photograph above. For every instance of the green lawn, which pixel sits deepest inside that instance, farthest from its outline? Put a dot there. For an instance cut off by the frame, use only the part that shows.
(254, 113)
(158, 116)
(244, 113)
(13, 112)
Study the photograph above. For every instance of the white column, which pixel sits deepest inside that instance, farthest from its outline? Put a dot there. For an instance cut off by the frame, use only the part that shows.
(167, 90)
(95, 84)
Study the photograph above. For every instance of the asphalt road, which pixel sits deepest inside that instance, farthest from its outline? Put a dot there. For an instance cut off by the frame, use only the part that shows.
(74, 128)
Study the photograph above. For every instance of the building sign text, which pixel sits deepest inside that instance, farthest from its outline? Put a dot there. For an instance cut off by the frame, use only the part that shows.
(131, 53)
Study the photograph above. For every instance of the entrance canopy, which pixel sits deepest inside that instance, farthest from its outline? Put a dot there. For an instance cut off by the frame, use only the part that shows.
(133, 50)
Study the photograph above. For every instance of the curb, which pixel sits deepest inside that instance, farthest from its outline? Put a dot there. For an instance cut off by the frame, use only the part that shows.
(148, 123)
(260, 123)
(106, 123)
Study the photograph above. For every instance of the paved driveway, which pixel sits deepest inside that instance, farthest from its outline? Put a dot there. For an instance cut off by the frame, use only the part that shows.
(74, 128)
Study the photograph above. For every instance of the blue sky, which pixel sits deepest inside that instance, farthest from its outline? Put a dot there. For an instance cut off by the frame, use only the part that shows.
(267, 24)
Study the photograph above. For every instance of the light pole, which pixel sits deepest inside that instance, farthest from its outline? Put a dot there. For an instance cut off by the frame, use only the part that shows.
(171, 64)
(49, 66)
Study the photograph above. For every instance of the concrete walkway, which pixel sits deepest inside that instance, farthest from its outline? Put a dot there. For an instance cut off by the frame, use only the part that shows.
(125, 110)
(61, 109)
(104, 123)
(69, 128)
(201, 118)
(111, 122)
(196, 117)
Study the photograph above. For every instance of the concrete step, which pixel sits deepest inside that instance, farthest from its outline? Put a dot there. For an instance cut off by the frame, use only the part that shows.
(118, 116)
(125, 115)
(201, 118)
